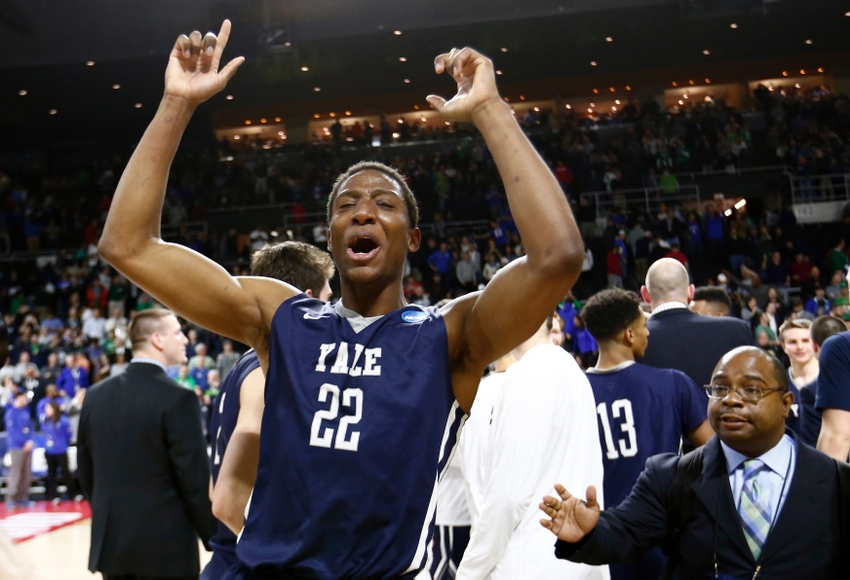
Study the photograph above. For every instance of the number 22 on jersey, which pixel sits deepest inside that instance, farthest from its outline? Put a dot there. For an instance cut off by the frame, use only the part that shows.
(628, 446)
(324, 437)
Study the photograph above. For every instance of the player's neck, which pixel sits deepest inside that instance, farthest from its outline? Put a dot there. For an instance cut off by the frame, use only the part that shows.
(611, 355)
(805, 373)
(367, 300)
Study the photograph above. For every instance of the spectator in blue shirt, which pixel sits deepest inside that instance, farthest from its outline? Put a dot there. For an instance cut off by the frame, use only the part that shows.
(441, 260)
(818, 305)
(51, 395)
(57, 428)
(73, 377)
(19, 431)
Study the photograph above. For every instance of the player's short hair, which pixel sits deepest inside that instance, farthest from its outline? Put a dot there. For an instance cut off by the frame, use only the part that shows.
(610, 312)
(825, 326)
(144, 324)
(390, 172)
(779, 372)
(304, 266)
(790, 324)
(713, 295)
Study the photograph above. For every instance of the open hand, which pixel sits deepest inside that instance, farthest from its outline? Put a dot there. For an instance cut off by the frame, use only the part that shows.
(476, 85)
(192, 72)
(571, 518)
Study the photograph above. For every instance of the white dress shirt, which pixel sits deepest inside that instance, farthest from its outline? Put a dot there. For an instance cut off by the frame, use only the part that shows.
(545, 433)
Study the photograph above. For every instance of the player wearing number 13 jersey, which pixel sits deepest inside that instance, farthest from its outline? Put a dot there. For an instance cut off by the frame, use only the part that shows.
(356, 424)
(642, 410)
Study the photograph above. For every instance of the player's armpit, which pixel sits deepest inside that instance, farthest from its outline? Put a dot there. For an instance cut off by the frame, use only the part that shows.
(486, 325)
(701, 434)
(834, 439)
(238, 471)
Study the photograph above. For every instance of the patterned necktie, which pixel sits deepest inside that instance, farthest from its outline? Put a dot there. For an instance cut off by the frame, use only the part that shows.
(755, 517)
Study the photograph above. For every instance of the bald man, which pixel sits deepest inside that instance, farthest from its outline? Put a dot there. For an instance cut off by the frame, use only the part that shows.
(681, 339)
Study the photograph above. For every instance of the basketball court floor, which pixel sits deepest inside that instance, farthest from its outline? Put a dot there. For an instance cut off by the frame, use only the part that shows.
(54, 540)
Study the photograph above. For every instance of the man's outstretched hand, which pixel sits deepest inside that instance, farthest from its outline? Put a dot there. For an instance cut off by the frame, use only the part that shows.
(571, 519)
(192, 72)
(476, 85)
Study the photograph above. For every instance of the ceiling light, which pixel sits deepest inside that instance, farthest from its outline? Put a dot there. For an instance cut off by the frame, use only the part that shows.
(397, 32)
(569, 106)
(536, 109)
(138, 105)
(89, 63)
(733, 25)
(708, 81)
(592, 104)
(847, 14)
(247, 121)
(706, 52)
(507, 100)
(407, 81)
(316, 116)
(22, 92)
(317, 89)
(277, 119)
(498, 72)
(595, 91)
(590, 110)
(348, 113)
(305, 68)
(521, 97)
(820, 69)
(785, 73)
(116, 86)
(402, 58)
(685, 95)
(808, 41)
(593, 63)
(416, 107)
(628, 88)
(681, 102)
(611, 89)
(229, 97)
(287, 43)
(609, 39)
(332, 115)
(423, 119)
(504, 49)
(236, 137)
(675, 84)
(691, 82)
(797, 85)
(617, 101)
(802, 71)
(400, 121)
(53, 111)
(614, 109)
(263, 120)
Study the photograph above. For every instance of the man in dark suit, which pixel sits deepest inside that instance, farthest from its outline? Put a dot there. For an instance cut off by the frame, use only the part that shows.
(752, 502)
(681, 339)
(143, 462)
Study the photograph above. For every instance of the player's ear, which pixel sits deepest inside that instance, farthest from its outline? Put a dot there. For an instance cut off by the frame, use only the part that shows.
(309, 292)
(629, 335)
(414, 238)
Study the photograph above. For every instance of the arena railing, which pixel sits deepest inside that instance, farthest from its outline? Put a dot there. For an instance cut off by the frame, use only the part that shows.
(651, 198)
(817, 188)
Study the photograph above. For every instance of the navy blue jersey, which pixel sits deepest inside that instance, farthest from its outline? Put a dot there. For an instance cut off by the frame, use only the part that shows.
(225, 412)
(642, 411)
(834, 375)
(356, 431)
(793, 419)
(810, 418)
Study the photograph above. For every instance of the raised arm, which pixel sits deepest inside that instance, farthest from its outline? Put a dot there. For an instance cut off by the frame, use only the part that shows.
(131, 242)
(517, 300)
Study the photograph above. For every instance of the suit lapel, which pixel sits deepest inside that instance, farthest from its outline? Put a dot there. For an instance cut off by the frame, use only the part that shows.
(806, 497)
(713, 490)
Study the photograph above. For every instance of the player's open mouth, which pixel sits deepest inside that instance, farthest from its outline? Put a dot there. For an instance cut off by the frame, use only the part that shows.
(362, 248)
(733, 421)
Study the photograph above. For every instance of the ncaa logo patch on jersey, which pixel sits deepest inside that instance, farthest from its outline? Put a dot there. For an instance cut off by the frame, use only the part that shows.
(414, 316)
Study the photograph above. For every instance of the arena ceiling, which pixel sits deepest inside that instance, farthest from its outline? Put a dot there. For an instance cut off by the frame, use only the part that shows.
(350, 48)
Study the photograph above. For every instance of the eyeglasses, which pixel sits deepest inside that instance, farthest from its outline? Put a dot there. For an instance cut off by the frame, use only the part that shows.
(748, 394)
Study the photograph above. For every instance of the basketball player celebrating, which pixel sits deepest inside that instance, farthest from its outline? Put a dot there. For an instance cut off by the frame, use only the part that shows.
(363, 397)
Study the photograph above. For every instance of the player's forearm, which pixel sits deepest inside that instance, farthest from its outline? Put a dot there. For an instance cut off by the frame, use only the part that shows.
(236, 479)
(834, 443)
(134, 216)
(545, 221)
